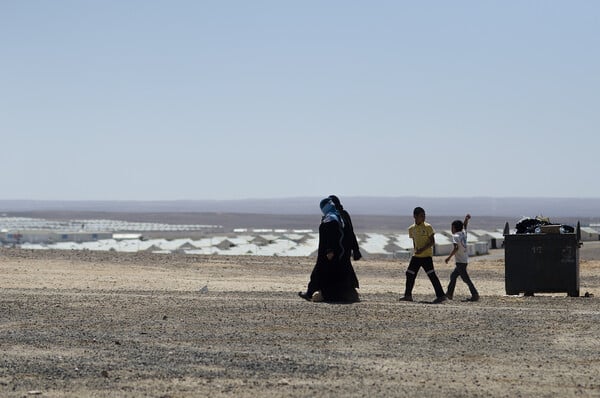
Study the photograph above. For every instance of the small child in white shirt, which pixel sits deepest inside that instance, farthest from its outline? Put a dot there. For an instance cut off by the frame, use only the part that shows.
(459, 238)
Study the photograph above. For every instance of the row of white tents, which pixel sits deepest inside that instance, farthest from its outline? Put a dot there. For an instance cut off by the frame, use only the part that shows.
(263, 245)
(51, 235)
(96, 225)
(274, 244)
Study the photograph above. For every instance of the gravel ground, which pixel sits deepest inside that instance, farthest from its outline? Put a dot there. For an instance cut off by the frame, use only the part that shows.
(115, 324)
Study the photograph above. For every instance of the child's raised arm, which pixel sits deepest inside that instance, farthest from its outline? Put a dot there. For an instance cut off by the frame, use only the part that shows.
(467, 218)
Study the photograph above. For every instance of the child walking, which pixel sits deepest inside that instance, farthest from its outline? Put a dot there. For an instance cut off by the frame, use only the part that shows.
(423, 241)
(459, 238)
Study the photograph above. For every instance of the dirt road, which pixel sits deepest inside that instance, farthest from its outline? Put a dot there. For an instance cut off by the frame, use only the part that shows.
(108, 324)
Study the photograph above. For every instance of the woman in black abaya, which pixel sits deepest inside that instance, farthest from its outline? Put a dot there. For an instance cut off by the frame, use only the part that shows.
(331, 275)
(349, 240)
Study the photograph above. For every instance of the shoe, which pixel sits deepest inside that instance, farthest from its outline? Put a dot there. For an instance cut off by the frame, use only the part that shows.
(449, 296)
(305, 296)
(317, 297)
(473, 298)
(440, 299)
(406, 298)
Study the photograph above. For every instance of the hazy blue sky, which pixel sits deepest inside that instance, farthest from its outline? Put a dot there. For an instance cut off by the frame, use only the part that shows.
(256, 99)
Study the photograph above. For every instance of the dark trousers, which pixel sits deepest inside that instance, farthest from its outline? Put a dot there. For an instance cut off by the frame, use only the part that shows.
(461, 270)
(413, 269)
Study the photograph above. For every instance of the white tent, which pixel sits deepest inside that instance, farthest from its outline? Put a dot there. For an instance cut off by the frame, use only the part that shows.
(375, 243)
(589, 234)
(443, 245)
(494, 239)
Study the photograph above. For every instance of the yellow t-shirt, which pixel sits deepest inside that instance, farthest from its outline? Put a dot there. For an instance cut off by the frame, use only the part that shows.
(420, 235)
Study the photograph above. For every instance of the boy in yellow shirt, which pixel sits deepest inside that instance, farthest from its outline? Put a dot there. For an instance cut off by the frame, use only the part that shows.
(422, 234)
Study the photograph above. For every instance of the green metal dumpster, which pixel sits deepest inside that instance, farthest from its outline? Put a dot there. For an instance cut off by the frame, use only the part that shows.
(542, 262)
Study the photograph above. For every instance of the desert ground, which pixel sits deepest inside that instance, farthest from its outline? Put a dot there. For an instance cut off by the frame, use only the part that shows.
(108, 324)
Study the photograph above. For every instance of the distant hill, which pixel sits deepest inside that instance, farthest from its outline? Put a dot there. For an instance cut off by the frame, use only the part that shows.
(588, 208)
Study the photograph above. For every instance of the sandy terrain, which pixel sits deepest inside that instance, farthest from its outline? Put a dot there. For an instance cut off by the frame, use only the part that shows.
(109, 324)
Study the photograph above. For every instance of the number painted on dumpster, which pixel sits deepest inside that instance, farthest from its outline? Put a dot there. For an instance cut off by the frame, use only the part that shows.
(567, 255)
(536, 249)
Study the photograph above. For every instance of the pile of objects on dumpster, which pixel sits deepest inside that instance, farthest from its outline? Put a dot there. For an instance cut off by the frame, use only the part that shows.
(541, 224)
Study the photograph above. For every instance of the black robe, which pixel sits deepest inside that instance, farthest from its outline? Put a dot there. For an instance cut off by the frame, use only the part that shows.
(350, 244)
(335, 278)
